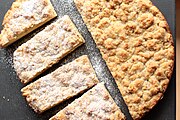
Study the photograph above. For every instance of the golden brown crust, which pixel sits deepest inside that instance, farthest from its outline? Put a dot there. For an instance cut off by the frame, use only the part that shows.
(96, 104)
(46, 48)
(135, 41)
(23, 17)
(60, 85)
(60, 116)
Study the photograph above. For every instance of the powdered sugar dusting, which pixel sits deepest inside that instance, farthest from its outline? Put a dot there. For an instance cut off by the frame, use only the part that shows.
(6, 57)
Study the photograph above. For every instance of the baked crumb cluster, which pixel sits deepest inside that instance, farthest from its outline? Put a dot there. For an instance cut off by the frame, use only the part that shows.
(96, 104)
(62, 84)
(135, 41)
(46, 48)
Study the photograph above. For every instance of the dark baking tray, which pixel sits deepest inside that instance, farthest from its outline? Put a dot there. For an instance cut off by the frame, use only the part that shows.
(14, 107)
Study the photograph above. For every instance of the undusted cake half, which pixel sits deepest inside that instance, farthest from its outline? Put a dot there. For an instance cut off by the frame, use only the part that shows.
(96, 104)
(23, 17)
(46, 48)
(65, 82)
(135, 41)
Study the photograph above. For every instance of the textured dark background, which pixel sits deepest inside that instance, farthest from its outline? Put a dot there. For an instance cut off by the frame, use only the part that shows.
(14, 107)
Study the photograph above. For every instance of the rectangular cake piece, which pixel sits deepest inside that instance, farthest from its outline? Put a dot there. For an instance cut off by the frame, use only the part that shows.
(96, 104)
(62, 84)
(46, 48)
(23, 17)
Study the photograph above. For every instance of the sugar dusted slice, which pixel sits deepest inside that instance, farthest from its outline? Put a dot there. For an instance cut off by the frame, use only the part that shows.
(62, 84)
(46, 48)
(96, 104)
(23, 17)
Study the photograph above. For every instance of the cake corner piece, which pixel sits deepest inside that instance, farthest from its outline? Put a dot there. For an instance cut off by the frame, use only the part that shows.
(20, 19)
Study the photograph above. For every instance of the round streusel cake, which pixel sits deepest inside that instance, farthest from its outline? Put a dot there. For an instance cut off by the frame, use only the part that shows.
(135, 41)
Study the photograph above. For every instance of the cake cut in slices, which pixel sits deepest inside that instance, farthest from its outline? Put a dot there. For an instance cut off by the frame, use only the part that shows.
(46, 48)
(135, 41)
(62, 84)
(96, 104)
(23, 17)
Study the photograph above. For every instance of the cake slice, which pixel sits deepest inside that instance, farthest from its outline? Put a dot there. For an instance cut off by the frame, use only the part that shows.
(96, 104)
(62, 84)
(46, 48)
(135, 41)
(23, 17)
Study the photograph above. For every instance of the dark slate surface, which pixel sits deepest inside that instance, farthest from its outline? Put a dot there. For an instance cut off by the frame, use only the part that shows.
(14, 107)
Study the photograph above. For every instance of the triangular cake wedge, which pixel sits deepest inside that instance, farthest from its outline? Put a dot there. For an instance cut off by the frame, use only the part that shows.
(95, 104)
(46, 48)
(135, 41)
(23, 17)
(65, 82)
